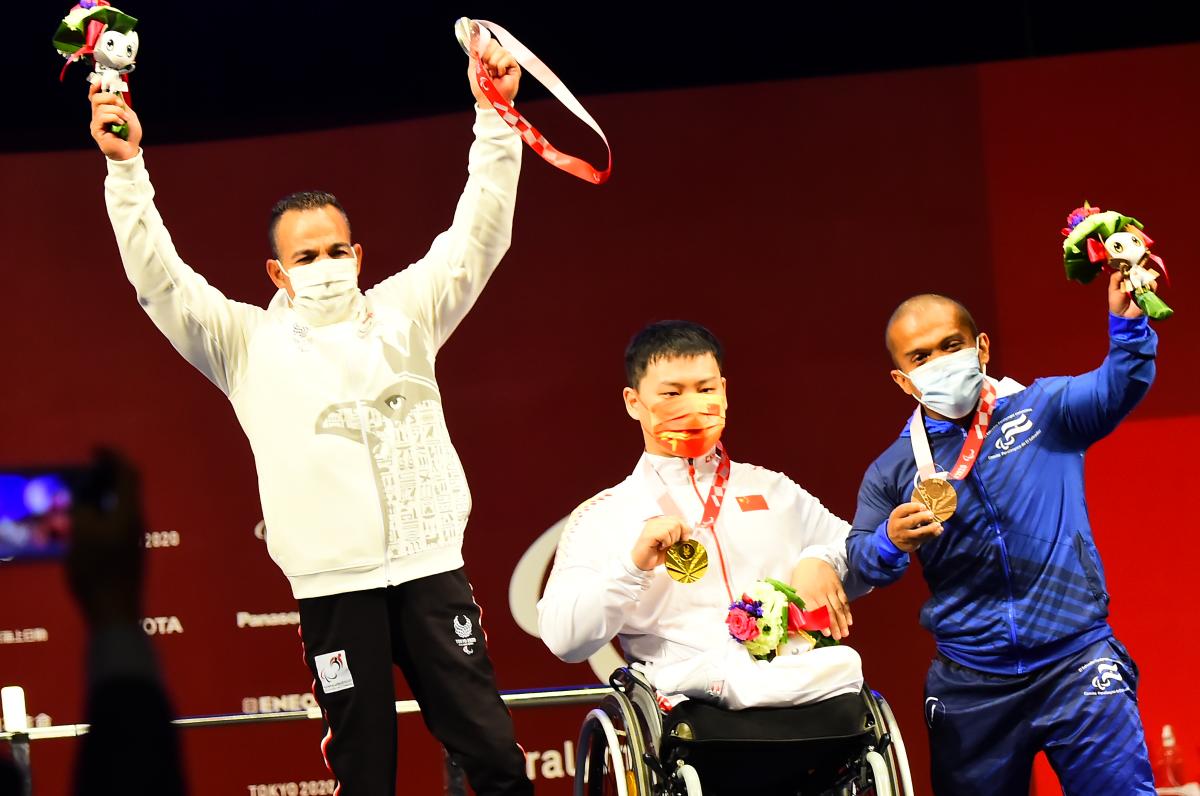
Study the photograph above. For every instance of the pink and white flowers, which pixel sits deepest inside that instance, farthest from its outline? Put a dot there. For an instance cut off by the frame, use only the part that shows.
(770, 619)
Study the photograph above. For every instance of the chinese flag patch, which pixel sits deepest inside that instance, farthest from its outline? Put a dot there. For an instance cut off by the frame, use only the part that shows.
(752, 503)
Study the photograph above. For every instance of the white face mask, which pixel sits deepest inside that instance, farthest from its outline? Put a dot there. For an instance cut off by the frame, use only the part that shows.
(950, 384)
(325, 290)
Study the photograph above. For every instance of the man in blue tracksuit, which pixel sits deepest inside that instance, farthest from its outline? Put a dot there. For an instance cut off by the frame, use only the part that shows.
(1026, 660)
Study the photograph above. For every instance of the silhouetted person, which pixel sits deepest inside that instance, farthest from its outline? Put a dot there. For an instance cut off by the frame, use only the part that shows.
(132, 747)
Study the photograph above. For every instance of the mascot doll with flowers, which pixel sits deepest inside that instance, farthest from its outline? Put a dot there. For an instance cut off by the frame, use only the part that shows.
(97, 33)
(1097, 240)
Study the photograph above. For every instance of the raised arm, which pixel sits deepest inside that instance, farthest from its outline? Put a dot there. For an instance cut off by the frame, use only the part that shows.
(208, 329)
(440, 288)
(1095, 402)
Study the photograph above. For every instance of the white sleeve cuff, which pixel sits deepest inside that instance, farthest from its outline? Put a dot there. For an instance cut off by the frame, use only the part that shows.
(825, 553)
(488, 122)
(130, 169)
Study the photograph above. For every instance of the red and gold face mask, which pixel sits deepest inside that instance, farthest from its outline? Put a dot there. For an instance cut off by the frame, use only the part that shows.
(688, 425)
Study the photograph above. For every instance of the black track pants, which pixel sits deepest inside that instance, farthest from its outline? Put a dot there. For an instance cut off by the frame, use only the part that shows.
(430, 628)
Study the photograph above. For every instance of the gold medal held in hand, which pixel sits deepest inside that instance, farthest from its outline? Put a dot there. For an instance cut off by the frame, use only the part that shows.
(939, 497)
(687, 561)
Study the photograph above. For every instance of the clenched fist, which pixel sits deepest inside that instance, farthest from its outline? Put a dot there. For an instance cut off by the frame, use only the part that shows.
(503, 70)
(1119, 302)
(658, 535)
(111, 109)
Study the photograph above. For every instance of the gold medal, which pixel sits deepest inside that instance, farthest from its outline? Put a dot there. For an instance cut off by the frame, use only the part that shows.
(939, 497)
(687, 561)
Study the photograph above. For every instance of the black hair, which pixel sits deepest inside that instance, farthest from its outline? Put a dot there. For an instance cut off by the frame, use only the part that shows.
(667, 340)
(919, 302)
(301, 200)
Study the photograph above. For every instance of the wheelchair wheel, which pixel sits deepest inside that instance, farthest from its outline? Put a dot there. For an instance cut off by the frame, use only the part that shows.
(641, 694)
(690, 779)
(881, 775)
(610, 757)
(898, 755)
(895, 755)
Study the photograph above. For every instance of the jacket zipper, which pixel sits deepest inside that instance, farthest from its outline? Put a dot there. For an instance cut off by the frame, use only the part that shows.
(1012, 614)
(362, 431)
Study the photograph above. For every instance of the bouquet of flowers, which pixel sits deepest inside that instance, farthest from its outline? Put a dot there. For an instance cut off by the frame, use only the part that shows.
(1097, 241)
(770, 620)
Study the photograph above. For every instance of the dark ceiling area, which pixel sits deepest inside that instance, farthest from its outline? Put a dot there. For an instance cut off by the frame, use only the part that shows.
(212, 70)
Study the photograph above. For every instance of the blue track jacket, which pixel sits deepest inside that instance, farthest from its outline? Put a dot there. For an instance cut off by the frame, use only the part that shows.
(1015, 577)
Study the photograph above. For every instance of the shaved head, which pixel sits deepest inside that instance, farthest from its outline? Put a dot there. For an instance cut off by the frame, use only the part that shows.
(912, 310)
(927, 327)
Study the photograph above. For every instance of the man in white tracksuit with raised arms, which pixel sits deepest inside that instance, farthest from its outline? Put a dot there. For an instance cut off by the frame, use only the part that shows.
(364, 497)
(609, 577)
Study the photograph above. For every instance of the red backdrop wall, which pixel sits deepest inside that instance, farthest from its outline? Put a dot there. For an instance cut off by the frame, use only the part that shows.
(790, 217)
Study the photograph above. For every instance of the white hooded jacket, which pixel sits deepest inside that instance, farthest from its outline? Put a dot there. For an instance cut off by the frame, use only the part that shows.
(360, 485)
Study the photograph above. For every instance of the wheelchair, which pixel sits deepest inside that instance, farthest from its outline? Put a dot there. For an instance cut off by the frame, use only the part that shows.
(628, 746)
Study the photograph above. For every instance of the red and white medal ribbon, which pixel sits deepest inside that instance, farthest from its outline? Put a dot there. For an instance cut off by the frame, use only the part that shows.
(473, 35)
(817, 620)
(712, 505)
(971, 446)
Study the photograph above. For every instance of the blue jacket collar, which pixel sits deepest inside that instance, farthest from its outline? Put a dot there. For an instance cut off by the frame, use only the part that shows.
(1005, 388)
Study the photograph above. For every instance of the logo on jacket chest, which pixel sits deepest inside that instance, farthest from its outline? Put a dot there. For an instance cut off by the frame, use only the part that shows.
(371, 421)
(1015, 432)
(368, 420)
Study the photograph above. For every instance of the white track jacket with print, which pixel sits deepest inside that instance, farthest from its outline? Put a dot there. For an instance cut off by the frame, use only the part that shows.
(766, 525)
(360, 485)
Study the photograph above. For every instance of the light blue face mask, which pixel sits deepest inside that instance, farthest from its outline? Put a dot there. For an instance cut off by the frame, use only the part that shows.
(950, 384)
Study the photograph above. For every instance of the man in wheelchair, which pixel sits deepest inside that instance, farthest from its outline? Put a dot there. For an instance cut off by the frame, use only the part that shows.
(658, 559)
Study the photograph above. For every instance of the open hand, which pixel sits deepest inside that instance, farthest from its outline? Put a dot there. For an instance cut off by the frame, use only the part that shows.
(818, 585)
